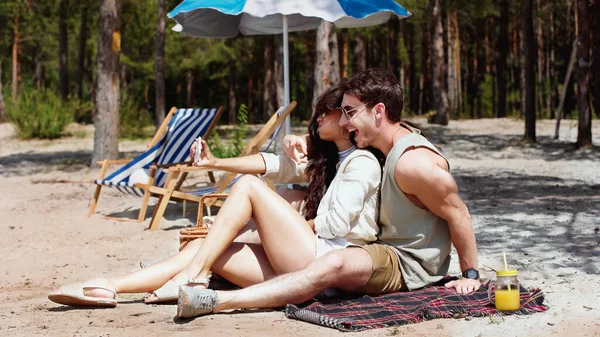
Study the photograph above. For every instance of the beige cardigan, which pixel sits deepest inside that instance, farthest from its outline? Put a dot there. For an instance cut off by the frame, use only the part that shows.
(350, 207)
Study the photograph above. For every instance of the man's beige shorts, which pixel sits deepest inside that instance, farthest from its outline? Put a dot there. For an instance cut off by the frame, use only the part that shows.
(385, 276)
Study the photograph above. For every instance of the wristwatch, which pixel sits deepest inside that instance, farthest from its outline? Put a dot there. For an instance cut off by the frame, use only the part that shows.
(471, 273)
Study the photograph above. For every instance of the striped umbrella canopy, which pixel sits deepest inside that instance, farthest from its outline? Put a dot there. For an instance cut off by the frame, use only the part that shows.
(228, 18)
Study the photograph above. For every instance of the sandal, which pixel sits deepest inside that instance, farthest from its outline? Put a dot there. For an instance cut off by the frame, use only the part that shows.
(165, 294)
(74, 295)
(170, 291)
(196, 281)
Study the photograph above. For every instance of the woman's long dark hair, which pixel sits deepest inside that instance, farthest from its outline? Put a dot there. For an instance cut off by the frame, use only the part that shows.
(322, 155)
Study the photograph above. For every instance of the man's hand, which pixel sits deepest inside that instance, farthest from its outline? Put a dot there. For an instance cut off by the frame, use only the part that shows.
(295, 147)
(464, 285)
(206, 157)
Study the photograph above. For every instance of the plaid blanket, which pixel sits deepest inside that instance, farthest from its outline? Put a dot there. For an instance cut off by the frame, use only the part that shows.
(401, 308)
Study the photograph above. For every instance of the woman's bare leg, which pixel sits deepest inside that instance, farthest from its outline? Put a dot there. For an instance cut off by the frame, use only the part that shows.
(288, 241)
(242, 264)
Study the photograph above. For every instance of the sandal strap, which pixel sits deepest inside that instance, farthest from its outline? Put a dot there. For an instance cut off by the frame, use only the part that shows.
(202, 280)
(101, 288)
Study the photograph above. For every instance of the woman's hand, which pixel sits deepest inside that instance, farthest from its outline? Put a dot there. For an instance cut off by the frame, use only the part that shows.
(206, 157)
(295, 147)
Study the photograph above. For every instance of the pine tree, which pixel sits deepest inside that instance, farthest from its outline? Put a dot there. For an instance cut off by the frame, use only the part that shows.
(106, 117)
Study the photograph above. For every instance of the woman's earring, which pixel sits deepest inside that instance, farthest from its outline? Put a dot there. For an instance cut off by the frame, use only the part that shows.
(342, 134)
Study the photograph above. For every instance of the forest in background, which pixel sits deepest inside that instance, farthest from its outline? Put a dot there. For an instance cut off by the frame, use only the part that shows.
(455, 59)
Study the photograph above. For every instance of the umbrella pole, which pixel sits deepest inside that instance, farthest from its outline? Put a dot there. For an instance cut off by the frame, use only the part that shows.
(286, 73)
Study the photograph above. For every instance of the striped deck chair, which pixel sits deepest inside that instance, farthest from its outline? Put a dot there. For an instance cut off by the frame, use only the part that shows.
(172, 189)
(170, 146)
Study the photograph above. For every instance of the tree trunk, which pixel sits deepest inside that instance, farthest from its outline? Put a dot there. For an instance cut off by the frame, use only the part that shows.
(393, 62)
(343, 37)
(566, 85)
(596, 60)
(571, 33)
(106, 117)
(501, 54)
(16, 67)
(454, 73)
(439, 98)
(231, 90)
(159, 66)
(3, 118)
(413, 81)
(90, 78)
(269, 90)
(488, 55)
(309, 71)
(63, 50)
(540, 62)
(278, 72)
(480, 70)
(39, 77)
(82, 44)
(327, 71)
(146, 94)
(250, 88)
(425, 70)
(516, 68)
(190, 88)
(360, 55)
(123, 78)
(527, 47)
(552, 68)
(584, 131)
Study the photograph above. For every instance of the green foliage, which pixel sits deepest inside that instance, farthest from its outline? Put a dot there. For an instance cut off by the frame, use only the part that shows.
(221, 150)
(134, 122)
(202, 66)
(39, 114)
(240, 130)
(80, 109)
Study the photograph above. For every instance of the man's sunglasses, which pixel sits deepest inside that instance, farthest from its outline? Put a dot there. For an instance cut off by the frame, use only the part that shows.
(351, 113)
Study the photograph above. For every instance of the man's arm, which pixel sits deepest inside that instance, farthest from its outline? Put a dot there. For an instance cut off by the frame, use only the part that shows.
(423, 175)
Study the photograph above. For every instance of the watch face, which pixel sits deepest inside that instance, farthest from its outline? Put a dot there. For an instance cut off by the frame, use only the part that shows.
(472, 274)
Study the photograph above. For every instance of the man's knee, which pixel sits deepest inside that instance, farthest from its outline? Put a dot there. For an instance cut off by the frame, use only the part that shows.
(341, 267)
(334, 261)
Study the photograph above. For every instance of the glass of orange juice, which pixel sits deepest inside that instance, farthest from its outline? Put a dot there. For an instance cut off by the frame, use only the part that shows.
(504, 292)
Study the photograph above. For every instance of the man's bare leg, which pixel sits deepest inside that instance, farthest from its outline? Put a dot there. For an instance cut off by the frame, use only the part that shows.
(346, 269)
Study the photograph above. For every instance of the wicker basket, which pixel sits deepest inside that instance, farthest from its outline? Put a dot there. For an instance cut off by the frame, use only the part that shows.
(203, 223)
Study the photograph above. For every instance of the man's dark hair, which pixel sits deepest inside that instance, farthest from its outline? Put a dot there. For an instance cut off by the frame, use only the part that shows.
(374, 86)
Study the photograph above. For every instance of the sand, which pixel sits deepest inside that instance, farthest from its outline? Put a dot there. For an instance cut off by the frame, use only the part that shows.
(538, 203)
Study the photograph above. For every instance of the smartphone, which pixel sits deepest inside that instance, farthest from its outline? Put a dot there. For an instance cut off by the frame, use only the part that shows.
(198, 149)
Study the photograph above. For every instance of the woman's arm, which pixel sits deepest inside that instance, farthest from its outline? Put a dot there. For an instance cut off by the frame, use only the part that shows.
(359, 180)
(252, 164)
(280, 169)
(283, 169)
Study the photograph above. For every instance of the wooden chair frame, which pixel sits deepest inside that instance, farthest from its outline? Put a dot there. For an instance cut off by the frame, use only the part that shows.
(177, 173)
(105, 164)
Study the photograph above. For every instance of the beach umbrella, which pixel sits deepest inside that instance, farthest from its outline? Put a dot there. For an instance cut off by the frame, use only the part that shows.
(228, 18)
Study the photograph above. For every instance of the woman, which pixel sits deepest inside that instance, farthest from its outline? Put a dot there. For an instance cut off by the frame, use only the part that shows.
(341, 208)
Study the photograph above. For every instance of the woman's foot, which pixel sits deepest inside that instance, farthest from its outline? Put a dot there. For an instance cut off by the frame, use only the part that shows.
(166, 294)
(170, 290)
(92, 293)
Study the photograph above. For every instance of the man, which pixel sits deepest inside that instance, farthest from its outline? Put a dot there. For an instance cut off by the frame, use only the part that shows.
(421, 214)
